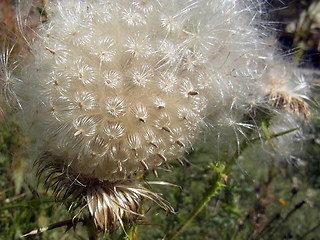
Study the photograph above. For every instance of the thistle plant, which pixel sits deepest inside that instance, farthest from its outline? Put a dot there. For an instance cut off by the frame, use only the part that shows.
(112, 90)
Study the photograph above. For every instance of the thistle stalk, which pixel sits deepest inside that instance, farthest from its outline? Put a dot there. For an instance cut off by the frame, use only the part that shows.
(211, 191)
(91, 228)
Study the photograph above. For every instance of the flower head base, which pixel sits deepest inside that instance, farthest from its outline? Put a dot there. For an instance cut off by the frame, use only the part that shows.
(287, 90)
(108, 201)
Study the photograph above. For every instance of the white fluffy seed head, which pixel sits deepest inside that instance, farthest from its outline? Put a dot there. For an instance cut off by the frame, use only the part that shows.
(119, 87)
(110, 80)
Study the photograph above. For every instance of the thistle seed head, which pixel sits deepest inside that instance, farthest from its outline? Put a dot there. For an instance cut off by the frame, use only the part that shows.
(118, 102)
(115, 88)
(110, 89)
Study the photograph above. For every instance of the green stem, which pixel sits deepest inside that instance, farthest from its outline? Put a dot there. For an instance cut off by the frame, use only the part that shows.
(91, 229)
(245, 143)
(211, 191)
(129, 233)
(133, 235)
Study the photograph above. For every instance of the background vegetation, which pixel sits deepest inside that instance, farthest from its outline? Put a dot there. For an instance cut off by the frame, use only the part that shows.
(257, 198)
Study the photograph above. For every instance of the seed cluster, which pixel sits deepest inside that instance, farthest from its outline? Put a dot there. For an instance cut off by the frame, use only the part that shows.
(122, 87)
